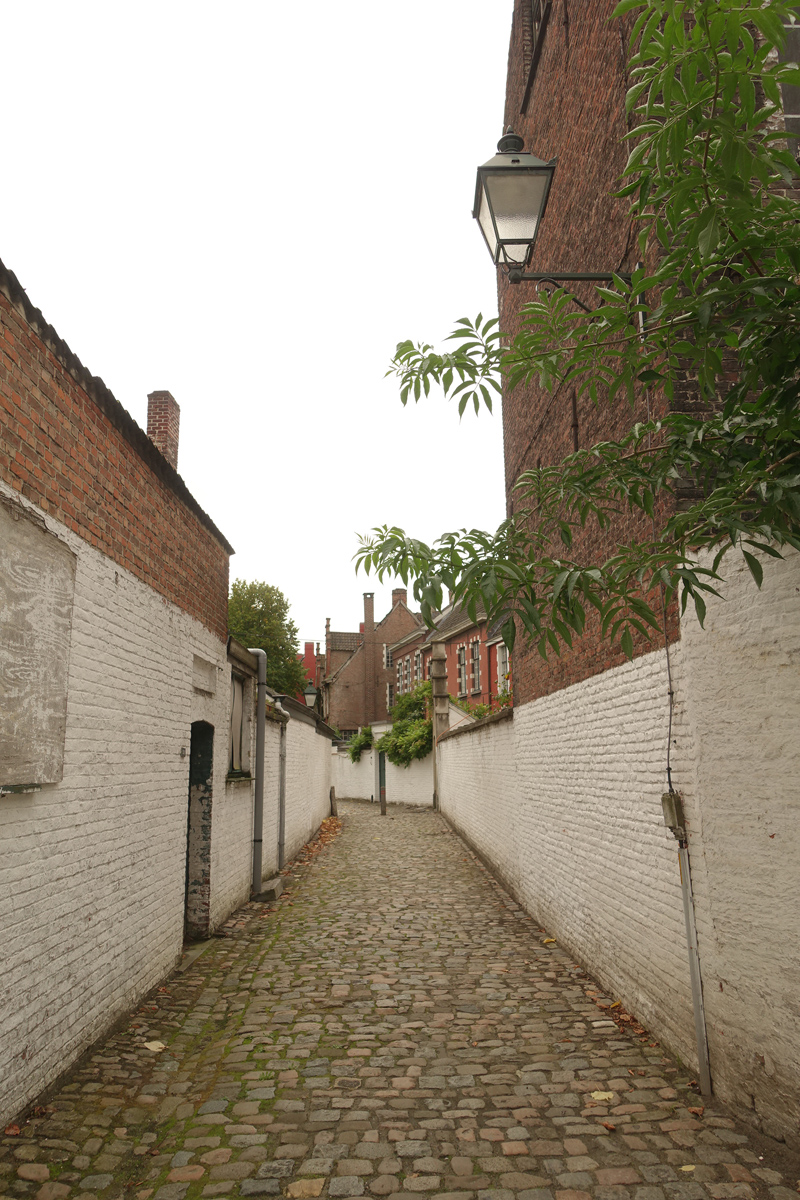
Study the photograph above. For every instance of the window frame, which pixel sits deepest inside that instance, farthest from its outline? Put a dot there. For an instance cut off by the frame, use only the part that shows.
(475, 665)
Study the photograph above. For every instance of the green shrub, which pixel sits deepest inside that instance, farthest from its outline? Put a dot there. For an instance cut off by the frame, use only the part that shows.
(411, 735)
(358, 743)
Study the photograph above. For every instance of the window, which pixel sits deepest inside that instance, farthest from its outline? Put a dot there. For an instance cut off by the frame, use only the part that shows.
(502, 667)
(791, 92)
(535, 15)
(389, 695)
(418, 665)
(475, 657)
(461, 661)
(400, 678)
(428, 667)
(236, 749)
(407, 674)
(387, 658)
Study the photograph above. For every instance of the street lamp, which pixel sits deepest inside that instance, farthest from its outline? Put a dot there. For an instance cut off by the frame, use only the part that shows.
(510, 198)
(310, 694)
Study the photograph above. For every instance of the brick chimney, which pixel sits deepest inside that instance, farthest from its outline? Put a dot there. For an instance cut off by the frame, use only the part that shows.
(369, 612)
(399, 596)
(163, 423)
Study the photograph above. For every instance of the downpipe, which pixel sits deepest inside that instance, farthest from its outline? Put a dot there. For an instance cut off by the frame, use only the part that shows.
(675, 822)
(282, 784)
(258, 805)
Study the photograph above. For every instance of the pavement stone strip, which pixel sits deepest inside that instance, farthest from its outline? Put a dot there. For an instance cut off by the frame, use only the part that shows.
(394, 1025)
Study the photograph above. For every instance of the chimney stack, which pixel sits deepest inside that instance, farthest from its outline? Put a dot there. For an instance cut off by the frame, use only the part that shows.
(399, 595)
(163, 424)
(369, 612)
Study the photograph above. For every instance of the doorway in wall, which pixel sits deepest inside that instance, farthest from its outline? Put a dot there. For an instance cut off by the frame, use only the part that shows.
(382, 781)
(198, 832)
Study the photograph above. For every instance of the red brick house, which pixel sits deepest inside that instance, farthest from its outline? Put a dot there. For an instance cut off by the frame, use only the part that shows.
(359, 683)
(478, 669)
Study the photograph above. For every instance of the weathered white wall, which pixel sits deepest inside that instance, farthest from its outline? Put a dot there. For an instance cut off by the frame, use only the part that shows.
(92, 868)
(564, 802)
(741, 677)
(308, 783)
(412, 784)
(359, 781)
(353, 781)
(478, 793)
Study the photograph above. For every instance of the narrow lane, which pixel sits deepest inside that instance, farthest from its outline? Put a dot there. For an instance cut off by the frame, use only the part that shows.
(395, 1024)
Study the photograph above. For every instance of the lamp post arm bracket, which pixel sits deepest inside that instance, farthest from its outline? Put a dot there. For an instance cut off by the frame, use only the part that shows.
(515, 276)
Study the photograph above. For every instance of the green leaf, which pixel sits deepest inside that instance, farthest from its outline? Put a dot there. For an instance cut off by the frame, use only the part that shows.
(756, 570)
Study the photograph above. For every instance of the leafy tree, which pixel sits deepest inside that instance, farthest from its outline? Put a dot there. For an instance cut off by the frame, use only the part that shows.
(707, 177)
(258, 616)
(411, 735)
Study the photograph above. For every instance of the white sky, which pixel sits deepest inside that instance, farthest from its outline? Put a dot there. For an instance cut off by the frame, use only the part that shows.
(249, 205)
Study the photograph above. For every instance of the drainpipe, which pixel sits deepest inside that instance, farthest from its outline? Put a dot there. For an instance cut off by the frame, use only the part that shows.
(258, 808)
(282, 784)
(676, 824)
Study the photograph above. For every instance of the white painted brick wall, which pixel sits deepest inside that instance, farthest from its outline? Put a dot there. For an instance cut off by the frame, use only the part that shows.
(742, 683)
(412, 784)
(478, 793)
(404, 785)
(92, 869)
(564, 802)
(568, 810)
(308, 783)
(353, 781)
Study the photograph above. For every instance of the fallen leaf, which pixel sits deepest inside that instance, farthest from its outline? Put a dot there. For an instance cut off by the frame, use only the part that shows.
(602, 1095)
(157, 1046)
(606, 1125)
(616, 1004)
(548, 941)
(687, 1168)
(696, 1112)
(12, 1130)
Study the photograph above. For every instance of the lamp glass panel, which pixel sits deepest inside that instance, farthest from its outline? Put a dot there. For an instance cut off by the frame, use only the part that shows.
(515, 252)
(485, 222)
(517, 199)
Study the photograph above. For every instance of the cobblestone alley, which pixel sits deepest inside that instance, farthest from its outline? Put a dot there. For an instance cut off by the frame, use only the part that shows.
(395, 1024)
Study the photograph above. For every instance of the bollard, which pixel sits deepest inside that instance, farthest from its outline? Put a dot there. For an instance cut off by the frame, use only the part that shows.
(334, 808)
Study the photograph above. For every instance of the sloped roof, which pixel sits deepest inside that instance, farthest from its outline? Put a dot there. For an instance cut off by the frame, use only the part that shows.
(455, 618)
(108, 404)
(346, 641)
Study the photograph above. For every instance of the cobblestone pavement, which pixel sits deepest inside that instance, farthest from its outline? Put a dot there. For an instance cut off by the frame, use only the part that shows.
(395, 1024)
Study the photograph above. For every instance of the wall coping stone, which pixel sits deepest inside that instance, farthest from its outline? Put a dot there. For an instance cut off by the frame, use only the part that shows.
(505, 714)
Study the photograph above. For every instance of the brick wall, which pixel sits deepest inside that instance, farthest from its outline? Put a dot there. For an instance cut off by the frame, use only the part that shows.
(575, 112)
(77, 454)
(563, 800)
(740, 679)
(92, 869)
(353, 781)
(308, 783)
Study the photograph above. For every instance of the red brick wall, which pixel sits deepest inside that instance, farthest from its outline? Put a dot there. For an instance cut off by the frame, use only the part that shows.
(71, 448)
(576, 112)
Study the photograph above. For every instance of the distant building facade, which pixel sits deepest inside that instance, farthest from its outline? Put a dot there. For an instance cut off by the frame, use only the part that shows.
(359, 685)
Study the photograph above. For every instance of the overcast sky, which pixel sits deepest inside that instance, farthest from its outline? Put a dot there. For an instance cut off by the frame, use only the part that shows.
(249, 204)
